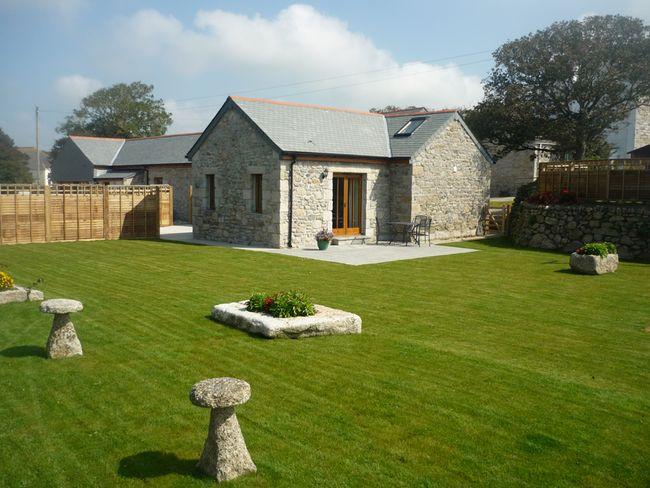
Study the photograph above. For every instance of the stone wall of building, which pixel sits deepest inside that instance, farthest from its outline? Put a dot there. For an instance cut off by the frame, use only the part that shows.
(313, 197)
(401, 175)
(567, 227)
(515, 169)
(179, 177)
(642, 127)
(450, 183)
(233, 152)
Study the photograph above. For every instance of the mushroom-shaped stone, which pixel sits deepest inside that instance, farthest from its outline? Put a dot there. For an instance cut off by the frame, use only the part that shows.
(63, 341)
(225, 455)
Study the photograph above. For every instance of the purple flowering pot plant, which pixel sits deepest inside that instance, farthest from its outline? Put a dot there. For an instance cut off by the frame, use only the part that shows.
(323, 239)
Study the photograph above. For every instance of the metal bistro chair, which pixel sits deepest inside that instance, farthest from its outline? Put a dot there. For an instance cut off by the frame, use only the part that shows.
(421, 228)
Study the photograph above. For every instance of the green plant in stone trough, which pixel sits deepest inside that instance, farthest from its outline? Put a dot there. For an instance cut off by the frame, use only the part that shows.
(597, 249)
(281, 304)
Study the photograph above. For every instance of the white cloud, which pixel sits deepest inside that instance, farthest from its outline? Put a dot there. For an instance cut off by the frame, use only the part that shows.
(187, 118)
(300, 43)
(73, 88)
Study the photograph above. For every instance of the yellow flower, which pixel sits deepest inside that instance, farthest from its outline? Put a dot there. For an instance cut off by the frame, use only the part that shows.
(6, 281)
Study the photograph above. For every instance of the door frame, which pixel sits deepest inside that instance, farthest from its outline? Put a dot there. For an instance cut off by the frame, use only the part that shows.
(346, 230)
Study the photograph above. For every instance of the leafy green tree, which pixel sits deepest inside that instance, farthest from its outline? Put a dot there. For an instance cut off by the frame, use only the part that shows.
(393, 108)
(568, 83)
(13, 163)
(119, 111)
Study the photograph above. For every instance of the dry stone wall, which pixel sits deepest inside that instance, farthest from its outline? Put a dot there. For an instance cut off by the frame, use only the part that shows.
(567, 227)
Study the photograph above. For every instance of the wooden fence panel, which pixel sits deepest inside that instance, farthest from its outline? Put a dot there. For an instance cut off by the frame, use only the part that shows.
(602, 180)
(82, 212)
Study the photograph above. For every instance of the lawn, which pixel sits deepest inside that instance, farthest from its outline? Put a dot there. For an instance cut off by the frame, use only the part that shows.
(541, 380)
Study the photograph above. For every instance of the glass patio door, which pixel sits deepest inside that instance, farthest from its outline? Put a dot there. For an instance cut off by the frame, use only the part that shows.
(346, 209)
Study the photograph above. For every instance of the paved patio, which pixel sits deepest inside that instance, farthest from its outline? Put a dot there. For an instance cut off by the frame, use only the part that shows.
(353, 255)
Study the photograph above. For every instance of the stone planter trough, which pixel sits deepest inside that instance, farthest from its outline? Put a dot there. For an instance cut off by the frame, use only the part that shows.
(593, 265)
(20, 294)
(326, 321)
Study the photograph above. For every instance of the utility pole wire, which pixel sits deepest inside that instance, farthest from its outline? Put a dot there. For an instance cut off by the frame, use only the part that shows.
(317, 80)
(286, 85)
(378, 80)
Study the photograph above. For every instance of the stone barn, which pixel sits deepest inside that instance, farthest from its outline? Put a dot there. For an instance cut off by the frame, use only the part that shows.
(275, 173)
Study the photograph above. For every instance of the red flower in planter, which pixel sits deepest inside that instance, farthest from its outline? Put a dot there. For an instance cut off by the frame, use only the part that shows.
(268, 301)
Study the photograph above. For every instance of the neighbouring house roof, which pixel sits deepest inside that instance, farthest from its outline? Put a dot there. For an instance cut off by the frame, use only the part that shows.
(313, 129)
(32, 162)
(100, 151)
(81, 156)
(106, 151)
(115, 175)
(156, 150)
(641, 152)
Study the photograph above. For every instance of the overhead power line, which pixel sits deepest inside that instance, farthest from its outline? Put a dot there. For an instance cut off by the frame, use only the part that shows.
(319, 80)
(347, 85)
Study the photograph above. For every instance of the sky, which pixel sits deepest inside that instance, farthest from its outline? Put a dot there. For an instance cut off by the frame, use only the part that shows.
(355, 54)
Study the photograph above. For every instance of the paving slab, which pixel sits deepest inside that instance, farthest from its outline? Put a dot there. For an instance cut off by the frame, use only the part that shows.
(353, 255)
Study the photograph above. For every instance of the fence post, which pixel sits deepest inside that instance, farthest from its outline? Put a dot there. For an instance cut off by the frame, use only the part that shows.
(1, 200)
(46, 213)
(106, 211)
(171, 205)
(158, 212)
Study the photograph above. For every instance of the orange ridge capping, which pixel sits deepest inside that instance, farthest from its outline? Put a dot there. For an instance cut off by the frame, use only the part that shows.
(416, 114)
(135, 138)
(306, 105)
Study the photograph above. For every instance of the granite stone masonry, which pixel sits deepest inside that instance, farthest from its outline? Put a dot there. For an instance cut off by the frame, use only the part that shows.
(567, 227)
(233, 154)
(20, 294)
(450, 183)
(225, 455)
(439, 170)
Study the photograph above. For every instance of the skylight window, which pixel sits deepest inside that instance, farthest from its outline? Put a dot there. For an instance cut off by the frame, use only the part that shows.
(410, 127)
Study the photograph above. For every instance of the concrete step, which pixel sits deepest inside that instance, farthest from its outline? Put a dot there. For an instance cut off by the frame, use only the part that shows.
(349, 240)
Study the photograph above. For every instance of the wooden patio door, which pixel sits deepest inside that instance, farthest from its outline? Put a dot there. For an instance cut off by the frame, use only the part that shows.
(346, 209)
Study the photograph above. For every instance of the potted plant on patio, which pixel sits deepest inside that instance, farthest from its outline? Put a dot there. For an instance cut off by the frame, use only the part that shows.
(595, 258)
(323, 239)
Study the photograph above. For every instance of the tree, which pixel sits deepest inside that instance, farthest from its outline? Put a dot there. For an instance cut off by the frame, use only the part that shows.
(394, 108)
(568, 83)
(13, 163)
(119, 111)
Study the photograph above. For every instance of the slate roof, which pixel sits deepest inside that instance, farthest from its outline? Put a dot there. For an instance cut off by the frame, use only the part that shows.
(156, 150)
(105, 151)
(299, 128)
(114, 175)
(32, 162)
(100, 151)
(313, 129)
(404, 147)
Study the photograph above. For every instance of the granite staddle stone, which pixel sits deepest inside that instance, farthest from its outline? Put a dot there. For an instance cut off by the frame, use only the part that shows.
(225, 455)
(63, 341)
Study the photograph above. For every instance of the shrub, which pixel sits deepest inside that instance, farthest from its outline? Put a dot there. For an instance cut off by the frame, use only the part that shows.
(282, 304)
(6, 281)
(597, 249)
(324, 235)
(565, 197)
(524, 192)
